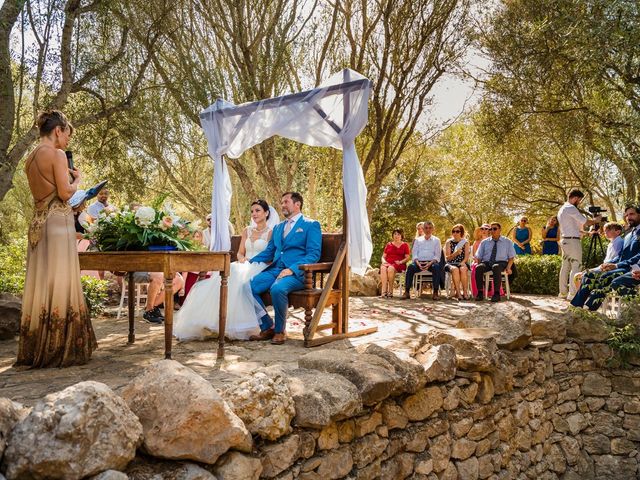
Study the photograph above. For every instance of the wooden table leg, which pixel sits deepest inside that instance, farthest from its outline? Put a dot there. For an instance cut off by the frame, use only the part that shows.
(168, 314)
(222, 316)
(131, 302)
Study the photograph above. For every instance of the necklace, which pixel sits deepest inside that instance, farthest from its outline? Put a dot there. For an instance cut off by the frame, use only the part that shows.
(260, 231)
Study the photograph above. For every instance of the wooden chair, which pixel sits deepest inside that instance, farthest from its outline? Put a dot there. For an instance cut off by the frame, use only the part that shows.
(326, 283)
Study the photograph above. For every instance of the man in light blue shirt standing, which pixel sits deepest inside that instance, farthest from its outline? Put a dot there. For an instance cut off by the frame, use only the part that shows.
(495, 253)
(426, 258)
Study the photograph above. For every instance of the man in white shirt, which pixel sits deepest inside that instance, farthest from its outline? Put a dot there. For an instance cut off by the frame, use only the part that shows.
(102, 201)
(206, 233)
(426, 257)
(572, 224)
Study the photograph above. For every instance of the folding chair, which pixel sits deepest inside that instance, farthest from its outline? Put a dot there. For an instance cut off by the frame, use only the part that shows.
(141, 295)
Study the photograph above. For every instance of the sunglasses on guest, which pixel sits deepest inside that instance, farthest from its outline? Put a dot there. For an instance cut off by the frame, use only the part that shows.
(456, 231)
(493, 229)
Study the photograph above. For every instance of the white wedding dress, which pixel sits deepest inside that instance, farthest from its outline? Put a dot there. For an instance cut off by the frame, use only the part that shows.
(198, 317)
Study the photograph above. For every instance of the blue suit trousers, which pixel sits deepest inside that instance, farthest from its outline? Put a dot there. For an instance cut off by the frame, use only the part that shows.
(279, 289)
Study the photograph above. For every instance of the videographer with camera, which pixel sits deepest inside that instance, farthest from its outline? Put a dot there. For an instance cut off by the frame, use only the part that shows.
(596, 282)
(572, 224)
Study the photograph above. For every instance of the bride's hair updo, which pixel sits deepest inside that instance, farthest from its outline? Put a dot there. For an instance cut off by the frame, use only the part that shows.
(264, 205)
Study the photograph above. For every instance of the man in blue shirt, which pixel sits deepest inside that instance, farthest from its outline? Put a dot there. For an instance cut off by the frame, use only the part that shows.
(495, 253)
(596, 283)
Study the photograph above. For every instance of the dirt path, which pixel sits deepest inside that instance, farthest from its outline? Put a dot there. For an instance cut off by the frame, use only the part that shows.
(400, 325)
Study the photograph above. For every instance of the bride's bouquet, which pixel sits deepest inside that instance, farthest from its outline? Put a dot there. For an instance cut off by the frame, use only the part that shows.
(143, 228)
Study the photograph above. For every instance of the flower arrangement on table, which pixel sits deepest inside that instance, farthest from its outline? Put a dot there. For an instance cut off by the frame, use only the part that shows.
(145, 228)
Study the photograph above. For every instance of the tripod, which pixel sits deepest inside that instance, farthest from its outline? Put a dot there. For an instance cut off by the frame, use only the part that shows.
(595, 251)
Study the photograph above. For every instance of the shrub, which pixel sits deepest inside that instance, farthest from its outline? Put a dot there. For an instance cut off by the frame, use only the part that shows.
(13, 261)
(95, 293)
(537, 274)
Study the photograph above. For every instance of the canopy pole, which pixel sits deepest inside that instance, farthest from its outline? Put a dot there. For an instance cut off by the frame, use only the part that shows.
(346, 106)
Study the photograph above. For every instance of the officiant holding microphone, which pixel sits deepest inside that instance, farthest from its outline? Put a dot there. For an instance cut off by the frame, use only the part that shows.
(55, 328)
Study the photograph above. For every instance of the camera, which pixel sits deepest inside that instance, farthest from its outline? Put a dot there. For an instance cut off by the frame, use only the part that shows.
(595, 210)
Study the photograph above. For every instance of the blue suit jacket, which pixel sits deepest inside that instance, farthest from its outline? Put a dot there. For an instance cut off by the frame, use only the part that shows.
(302, 245)
(630, 253)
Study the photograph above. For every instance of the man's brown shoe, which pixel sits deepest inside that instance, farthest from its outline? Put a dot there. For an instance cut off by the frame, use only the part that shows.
(405, 296)
(436, 296)
(278, 339)
(263, 335)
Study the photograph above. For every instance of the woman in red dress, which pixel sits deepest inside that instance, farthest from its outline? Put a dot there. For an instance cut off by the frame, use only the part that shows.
(394, 260)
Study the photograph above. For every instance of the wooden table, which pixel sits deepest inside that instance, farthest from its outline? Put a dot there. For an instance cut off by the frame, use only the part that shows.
(168, 263)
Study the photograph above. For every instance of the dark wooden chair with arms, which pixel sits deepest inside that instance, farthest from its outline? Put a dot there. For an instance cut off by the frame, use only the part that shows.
(320, 292)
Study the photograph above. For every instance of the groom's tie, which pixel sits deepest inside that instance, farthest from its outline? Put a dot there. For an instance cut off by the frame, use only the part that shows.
(287, 227)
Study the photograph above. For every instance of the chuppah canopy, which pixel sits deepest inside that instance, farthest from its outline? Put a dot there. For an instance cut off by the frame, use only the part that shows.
(331, 115)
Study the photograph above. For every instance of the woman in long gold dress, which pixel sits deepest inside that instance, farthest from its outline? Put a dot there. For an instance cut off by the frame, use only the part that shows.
(55, 329)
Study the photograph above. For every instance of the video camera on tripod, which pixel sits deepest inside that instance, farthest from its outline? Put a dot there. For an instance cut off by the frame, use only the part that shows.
(594, 211)
(595, 243)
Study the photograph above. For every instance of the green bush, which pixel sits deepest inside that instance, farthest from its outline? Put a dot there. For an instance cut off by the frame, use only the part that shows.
(13, 261)
(95, 293)
(537, 274)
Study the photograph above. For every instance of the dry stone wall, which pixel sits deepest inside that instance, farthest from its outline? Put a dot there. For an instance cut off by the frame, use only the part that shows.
(468, 404)
(552, 411)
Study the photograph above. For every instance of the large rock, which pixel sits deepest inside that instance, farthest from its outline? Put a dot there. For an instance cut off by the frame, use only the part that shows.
(81, 431)
(10, 312)
(475, 348)
(145, 468)
(10, 414)
(263, 402)
(374, 377)
(182, 415)
(586, 326)
(364, 286)
(510, 321)
(548, 325)
(439, 362)
(237, 466)
(410, 371)
(321, 398)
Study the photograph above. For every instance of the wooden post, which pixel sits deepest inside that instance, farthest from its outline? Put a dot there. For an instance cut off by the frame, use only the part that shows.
(131, 305)
(222, 315)
(168, 313)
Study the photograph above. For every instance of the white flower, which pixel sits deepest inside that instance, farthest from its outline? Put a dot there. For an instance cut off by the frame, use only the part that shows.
(145, 216)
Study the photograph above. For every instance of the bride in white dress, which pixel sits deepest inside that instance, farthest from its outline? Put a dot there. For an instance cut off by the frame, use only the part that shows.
(198, 317)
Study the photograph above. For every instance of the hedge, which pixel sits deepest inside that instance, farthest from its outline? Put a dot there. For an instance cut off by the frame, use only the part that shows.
(537, 274)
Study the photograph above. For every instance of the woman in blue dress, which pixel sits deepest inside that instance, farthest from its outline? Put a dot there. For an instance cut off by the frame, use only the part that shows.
(551, 237)
(522, 237)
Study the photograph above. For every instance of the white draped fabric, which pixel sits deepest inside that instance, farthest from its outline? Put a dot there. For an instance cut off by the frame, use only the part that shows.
(331, 115)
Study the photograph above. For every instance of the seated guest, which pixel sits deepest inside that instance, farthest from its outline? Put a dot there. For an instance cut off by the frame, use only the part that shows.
(522, 237)
(627, 284)
(426, 257)
(394, 260)
(479, 234)
(496, 253)
(419, 230)
(155, 293)
(595, 283)
(551, 237)
(102, 202)
(206, 233)
(612, 232)
(456, 254)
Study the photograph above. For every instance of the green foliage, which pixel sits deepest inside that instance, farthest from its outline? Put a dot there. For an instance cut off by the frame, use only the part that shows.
(13, 259)
(537, 274)
(95, 293)
(625, 341)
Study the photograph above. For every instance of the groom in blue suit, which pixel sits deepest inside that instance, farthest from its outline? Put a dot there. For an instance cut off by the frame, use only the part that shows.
(294, 242)
(597, 282)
